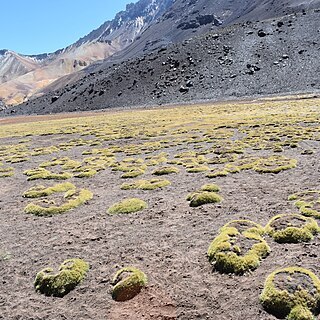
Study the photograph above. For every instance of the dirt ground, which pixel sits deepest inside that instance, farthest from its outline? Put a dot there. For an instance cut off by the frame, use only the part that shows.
(168, 241)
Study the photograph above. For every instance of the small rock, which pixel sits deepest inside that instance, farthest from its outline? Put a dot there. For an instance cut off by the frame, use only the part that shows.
(189, 84)
(183, 89)
(261, 33)
(54, 99)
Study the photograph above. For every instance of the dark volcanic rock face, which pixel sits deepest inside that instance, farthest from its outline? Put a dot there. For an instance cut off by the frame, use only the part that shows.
(250, 59)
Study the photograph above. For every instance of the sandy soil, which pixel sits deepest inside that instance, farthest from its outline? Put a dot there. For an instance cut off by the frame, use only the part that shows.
(168, 241)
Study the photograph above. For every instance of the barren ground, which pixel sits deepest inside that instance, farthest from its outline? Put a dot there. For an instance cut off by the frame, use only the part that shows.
(168, 240)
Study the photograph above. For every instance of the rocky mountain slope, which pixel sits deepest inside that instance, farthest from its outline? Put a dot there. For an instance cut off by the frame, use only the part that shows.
(274, 56)
(144, 40)
(189, 18)
(24, 76)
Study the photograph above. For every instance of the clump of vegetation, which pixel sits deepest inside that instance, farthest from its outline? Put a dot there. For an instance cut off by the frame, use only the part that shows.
(222, 158)
(300, 313)
(133, 173)
(206, 194)
(210, 188)
(86, 173)
(156, 160)
(214, 173)
(236, 252)
(308, 202)
(203, 197)
(196, 169)
(128, 282)
(128, 206)
(71, 272)
(238, 165)
(42, 191)
(6, 172)
(42, 173)
(146, 184)
(292, 228)
(71, 199)
(274, 164)
(165, 170)
(292, 293)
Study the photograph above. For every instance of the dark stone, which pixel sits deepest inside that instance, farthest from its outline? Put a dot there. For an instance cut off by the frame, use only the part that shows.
(189, 84)
(54, 99)
(206, 19)
(192, 24)
(183, 89)
(261, 33)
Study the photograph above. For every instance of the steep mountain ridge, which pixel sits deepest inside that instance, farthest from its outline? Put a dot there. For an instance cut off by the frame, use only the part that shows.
(13, 65)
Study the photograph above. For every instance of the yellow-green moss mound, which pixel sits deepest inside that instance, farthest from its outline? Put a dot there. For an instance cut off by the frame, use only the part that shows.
(210, 188)
(133, 173)
(292, 228)
(292, 293)
(206, 194)
(274, 164)
(6, 172)
(45, 174)
(128, 206)
(65, 197)
(165, 170)
(308, 202)
(234, 251)
(71, 272)
(146, 184)
(128, 282)
(203, 197)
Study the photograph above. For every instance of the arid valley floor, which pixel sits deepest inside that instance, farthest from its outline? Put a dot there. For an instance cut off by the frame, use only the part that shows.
(258, 153)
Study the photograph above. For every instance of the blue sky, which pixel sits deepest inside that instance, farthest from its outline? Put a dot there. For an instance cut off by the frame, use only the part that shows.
(39, 26)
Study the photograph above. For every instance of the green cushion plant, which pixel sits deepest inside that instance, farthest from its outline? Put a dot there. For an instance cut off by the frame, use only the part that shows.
(71, 272)
(146, 184)
(292, 228)
(308, 202)
(165, 170)
(72, 198)
(292, 293)
(127, 206)
(237, 252)
(274, 164)
(42, 173)
(205, 195)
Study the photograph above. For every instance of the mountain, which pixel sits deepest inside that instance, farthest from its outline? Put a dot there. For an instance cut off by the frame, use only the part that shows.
(149, 39)
(24, 76)
(249, 59)
(189, 18)
(13, 65)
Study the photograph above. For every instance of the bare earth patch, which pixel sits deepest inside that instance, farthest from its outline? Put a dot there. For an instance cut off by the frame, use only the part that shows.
(169, 239)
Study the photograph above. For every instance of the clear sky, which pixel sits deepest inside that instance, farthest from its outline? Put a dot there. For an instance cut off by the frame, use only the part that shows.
(43, 26)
